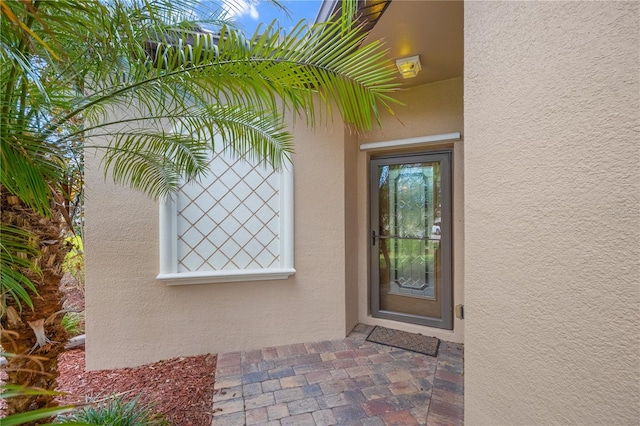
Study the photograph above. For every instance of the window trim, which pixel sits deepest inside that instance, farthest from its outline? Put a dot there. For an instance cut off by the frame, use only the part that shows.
(169, 245)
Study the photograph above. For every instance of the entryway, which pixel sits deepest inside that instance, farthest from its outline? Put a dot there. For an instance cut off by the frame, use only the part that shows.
(339, 382)
(410, 198)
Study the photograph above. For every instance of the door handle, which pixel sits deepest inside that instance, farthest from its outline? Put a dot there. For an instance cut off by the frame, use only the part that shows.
(374, 236)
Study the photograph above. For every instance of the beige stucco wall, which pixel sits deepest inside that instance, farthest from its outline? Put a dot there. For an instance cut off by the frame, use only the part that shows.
(552, 282)
(428, 110)
(134, 319)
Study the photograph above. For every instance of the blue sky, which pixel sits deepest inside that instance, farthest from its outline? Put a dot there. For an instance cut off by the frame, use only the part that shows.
(249, 13)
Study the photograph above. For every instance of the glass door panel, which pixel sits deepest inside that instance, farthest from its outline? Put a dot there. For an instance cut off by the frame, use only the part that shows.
(410, 218)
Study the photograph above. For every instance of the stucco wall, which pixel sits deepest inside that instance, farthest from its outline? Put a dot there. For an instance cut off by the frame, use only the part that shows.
(134, 319)
(551, 213)
(428, 110)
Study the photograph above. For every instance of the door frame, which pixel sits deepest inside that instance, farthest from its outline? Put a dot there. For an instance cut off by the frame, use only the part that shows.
(445, 157)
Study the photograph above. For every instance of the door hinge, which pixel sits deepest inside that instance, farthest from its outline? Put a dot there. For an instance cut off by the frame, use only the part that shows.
(460, 311)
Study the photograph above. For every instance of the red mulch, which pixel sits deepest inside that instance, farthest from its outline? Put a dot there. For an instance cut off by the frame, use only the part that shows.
(73, 294)
(180, 388)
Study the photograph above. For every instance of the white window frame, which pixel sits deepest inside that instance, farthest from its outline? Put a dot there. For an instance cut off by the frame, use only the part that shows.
(169, 245)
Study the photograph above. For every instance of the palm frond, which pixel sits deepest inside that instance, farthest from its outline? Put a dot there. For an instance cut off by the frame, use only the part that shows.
(158, 162)
(254, 136)
(16, 252)
(28, 167)
(154, 162)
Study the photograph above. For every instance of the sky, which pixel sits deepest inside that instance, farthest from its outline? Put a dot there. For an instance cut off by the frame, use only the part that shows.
(249, 13)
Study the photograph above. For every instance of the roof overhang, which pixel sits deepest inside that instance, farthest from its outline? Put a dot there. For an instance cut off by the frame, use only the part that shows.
(368, 14)
(432, 30)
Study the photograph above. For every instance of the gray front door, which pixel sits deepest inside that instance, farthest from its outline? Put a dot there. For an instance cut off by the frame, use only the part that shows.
(411, 239)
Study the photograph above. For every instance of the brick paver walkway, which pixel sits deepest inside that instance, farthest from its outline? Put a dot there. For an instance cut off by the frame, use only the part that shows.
(342, 382)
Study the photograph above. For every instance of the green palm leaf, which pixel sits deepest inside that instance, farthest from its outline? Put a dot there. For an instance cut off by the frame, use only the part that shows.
(16, 251)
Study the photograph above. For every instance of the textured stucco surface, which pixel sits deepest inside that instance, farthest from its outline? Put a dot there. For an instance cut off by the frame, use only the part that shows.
(551, 213)
(134, 319)
(428, 110)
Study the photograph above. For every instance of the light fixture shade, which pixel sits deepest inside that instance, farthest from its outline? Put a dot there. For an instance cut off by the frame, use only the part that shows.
(409, 67)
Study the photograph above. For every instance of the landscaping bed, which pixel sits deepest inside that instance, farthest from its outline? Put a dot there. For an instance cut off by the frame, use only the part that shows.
(180, 388)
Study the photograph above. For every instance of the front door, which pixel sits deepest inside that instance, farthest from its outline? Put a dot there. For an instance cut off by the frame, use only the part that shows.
(411, 239)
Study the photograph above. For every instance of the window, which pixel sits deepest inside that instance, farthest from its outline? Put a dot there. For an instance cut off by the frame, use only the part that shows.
(235, 224)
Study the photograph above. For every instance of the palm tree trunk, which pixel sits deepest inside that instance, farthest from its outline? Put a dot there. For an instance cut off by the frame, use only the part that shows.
(35, 336)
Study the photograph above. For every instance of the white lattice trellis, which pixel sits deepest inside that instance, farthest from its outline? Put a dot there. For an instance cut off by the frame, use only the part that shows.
(231, 220)
(233, 225)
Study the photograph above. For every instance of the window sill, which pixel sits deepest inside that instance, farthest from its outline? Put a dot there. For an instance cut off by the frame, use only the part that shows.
(213, 277)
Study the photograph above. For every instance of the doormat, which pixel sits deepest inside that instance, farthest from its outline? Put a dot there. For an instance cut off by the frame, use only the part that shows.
(403, 340)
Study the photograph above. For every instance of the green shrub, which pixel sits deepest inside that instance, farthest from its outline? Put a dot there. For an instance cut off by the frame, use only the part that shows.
(117, 412)
(73, 322)
(73, 263)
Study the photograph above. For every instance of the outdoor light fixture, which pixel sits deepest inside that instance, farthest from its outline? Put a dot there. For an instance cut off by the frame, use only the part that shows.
(409, 67)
